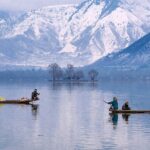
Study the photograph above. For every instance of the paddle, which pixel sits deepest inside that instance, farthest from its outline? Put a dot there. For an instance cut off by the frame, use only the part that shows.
(105, 102)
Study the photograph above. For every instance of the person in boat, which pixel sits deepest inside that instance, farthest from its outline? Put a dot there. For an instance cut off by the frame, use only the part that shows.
(125, 106)
(114, 104)
(34, 95)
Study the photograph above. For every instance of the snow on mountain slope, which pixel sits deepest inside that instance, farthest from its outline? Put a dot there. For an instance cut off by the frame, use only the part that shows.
(40, 20)
(4, 22)
(7, 21)
(140, 9)
(74, 34)
(133, 57)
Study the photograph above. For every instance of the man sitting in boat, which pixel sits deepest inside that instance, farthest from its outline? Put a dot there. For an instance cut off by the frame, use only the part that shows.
(34, 95)
(125, 106)
(114, 104)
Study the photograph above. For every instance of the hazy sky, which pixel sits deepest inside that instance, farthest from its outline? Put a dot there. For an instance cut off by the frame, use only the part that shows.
(31, 4)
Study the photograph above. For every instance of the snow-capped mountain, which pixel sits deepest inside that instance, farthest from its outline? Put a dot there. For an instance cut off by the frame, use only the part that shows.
(136, 56)
(79, 35)
(4, 22)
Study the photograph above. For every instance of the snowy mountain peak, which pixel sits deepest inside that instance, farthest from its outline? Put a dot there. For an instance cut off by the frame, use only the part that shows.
(77, 34)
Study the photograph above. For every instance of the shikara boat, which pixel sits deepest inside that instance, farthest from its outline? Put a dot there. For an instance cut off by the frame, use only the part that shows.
(27, 101)
(130, 111)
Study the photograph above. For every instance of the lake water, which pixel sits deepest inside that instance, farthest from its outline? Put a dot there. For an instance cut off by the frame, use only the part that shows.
(74, 117)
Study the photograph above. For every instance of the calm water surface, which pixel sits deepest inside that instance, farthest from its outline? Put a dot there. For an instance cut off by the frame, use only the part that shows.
(74, 117)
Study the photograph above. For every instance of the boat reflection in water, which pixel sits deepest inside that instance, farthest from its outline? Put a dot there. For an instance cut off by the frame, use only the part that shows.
(126, 117)
(114, 119)
(35, 109)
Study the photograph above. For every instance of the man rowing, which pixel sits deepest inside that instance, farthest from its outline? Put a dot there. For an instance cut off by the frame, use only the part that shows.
(34, 95)
(114, 104)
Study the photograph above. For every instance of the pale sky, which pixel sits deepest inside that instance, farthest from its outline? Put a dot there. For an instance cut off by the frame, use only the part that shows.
(13, 5)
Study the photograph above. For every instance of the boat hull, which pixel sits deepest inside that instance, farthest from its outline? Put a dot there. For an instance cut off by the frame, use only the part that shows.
(16, 102)
(130, 111)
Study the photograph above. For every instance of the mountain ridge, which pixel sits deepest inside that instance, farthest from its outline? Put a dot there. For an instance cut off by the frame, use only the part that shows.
(133, 57)
(76, 34)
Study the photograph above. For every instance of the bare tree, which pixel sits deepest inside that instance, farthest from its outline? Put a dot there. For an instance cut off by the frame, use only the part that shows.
(70, 72)
(78, 75)
(93, 74)
(55, 71)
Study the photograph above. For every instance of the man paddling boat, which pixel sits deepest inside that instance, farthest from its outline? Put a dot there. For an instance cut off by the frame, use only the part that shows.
(34, 95)
(114, 104)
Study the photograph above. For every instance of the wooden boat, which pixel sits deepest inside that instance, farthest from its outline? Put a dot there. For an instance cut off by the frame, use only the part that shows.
(130, 111)
(27, 101)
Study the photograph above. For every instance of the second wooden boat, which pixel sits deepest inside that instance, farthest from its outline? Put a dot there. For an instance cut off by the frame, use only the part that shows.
(130, 111)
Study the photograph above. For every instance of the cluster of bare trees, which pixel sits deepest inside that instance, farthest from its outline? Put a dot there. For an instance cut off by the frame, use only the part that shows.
(70, 73)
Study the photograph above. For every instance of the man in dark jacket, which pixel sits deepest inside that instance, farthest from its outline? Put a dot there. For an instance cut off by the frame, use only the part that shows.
(34, 95)
(125, 106)
(114, 104)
